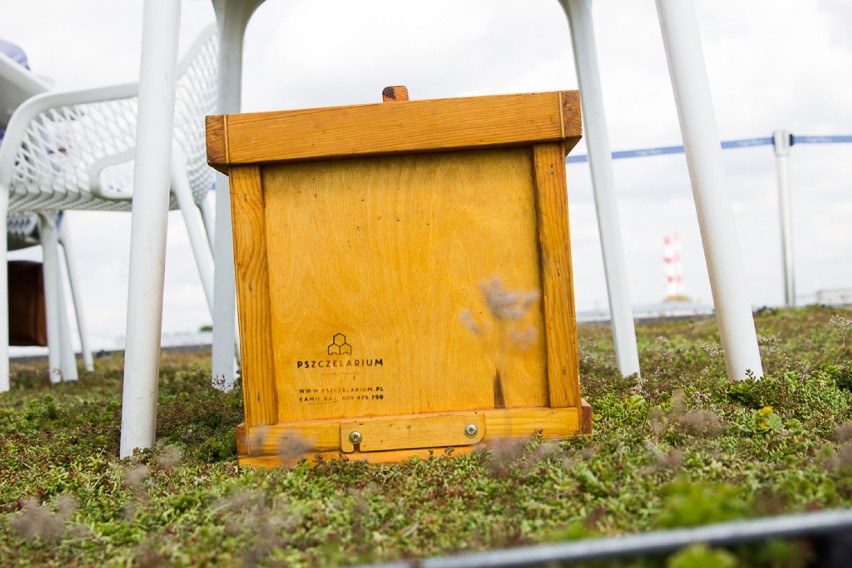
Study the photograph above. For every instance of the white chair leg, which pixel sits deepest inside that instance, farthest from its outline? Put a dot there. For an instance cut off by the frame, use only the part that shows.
(237, 345)
(232, 19)
(76, 296)
(68, 362)
(160, 30)
(194, 227)
(579, 14)
(208, 215)
(50, 248)
(4, 292)
(682, 43)
(225, 300)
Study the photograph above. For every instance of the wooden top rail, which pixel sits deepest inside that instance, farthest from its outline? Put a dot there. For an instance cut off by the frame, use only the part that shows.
(404, 126)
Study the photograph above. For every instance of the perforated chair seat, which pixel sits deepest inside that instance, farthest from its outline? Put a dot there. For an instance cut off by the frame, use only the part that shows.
(74, 150)
(22, 231)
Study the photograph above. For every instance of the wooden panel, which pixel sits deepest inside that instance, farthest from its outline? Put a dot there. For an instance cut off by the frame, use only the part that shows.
(550, 423)
(395, 295)
(217, 140)
(250, 253)
(293, 440)
(411, 432)
(557, 276)
(392, 456)
(410, 126)
(243, 448)
(307, 437)
(374, 263)
(585, 417)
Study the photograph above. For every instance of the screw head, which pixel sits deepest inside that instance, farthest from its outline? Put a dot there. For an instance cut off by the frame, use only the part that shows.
(470, 430)
(355, 437)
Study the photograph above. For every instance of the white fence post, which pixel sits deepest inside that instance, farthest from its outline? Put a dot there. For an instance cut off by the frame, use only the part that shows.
(781, 141)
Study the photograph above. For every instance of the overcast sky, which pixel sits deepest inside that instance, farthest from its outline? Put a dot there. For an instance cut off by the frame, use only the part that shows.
(773, 64)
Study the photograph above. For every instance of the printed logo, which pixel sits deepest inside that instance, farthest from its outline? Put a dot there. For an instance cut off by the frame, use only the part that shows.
(339, 346)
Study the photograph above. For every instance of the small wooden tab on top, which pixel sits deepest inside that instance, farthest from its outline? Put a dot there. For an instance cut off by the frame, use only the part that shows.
(394, 94)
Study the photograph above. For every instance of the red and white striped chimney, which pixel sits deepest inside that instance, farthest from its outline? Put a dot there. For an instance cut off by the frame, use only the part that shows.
(673, 267)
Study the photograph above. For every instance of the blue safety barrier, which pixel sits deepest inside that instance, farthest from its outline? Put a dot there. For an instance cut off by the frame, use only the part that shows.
(726, 145)
(747, 143)
(822, 139)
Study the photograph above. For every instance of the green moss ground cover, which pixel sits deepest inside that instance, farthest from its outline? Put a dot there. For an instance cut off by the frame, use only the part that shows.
(679, 447)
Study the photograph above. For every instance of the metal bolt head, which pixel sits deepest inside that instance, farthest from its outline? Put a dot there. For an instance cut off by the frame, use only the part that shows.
(355, 437)
(470, 430)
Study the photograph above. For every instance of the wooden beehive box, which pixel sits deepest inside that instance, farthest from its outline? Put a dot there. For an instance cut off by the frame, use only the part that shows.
(404, 276)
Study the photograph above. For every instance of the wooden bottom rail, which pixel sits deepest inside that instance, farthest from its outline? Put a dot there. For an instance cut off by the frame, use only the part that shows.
(395, 438)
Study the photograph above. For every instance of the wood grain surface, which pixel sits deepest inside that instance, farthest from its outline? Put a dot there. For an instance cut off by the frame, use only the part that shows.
(386, 254)
(291, 441)
(253, 296)
(403, 270)
(404, 126)
(557, 276)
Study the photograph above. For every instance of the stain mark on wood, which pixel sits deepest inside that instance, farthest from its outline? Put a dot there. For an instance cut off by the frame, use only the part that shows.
(499, 398)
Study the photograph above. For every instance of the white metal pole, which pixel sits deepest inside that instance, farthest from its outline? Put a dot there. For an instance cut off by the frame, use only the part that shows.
(781, 141)
(232, 18)
(706, 172)
(50, 251)
(160, 27)
(579, 14)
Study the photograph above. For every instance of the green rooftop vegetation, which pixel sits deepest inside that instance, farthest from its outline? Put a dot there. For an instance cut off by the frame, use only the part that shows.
(680, 446)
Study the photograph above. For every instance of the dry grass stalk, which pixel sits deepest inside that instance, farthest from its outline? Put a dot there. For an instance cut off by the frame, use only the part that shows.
(503, 331)
(169, 457)
(293, 447)
(36, 521)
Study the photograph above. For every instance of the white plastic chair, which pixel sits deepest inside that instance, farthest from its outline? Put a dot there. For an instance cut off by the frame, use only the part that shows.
(74, 150)
(18, 85)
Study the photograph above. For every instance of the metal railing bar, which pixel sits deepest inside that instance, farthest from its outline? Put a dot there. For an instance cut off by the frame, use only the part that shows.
(821, 524)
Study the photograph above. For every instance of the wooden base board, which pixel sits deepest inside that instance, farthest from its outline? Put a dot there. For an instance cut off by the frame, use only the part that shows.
(392, 439)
